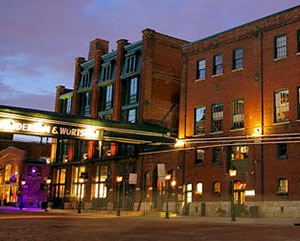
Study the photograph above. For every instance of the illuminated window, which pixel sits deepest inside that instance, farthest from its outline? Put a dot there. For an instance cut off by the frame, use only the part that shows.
(217, 187)
(216, 155)
(200, 120)
(78, 188)
(201, 69)
(238, 157)
(217, 117)
(99, 181)
(199, 188)
(199, 157)
(282, 151)
(189, 194)
(218, 64)
(239, 153)
(60, 183)
(237, 114)
(280, 48)
(130, 115)
(282, 109)
(8, 172)
(283, 186)
(238, 58)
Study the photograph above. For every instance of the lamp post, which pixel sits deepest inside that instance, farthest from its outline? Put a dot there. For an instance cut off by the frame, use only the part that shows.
(119, 179)
(81, 182)
(172, 184)
(21, 204)
(232, 174)
(48, 183)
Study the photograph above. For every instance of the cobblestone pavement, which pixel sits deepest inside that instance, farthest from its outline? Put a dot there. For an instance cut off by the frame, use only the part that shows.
(37, 226)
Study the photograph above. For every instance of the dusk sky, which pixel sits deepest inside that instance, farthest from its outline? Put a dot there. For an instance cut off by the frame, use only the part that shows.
(39, 39)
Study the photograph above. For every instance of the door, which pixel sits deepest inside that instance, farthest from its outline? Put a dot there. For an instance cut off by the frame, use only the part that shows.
(239, 198)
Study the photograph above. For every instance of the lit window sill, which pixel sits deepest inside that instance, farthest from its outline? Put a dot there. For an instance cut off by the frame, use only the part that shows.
(277, 59)
(237, 130)
(281, 123)
(217, 75)
(237, 70)
(216, 132)
(198, 80)
(298, 53)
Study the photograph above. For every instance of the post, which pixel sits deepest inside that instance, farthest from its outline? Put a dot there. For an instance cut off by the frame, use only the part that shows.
(118, 181)
(232, 202)
(168, 194)
(81, 182)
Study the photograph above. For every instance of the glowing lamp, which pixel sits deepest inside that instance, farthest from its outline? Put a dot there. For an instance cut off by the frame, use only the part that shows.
(168, 177)
(81, 180)
(119, 179)
(173, 183)
(48, 181)
(257, 131)
(23, 182)
(179, 143)
(232, 172)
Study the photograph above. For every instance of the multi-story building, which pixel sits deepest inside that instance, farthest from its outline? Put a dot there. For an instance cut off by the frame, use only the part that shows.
(239, 108)
(136, 85)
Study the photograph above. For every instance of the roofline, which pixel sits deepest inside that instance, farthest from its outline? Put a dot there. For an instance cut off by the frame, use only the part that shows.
(245, 24)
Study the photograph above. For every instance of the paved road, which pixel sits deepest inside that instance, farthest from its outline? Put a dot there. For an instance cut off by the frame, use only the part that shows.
(30, 226)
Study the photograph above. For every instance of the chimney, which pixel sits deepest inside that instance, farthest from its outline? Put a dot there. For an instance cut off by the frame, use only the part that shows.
(98, 44)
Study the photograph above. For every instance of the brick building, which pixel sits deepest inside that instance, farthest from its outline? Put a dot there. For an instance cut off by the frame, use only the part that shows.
(136, 85)
(239, 108)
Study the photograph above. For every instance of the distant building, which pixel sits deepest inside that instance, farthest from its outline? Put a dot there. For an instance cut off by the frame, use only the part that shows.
(20, 161)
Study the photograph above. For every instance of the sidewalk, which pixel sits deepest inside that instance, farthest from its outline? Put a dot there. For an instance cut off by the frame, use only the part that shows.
(160, 215)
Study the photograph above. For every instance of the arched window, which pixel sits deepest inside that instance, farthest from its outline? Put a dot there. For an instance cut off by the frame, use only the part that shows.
(8, 168)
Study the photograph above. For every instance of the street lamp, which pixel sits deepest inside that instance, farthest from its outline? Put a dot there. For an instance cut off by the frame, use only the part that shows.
(173, 184)
(232, 174)
(81, 182)
(119, 179)
(48, 183)
(21, 204)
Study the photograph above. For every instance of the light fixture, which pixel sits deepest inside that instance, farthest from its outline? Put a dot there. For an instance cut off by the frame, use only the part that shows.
(179, 143)
(168, 177)
(173, 183)
(48, 181)
(257, 131)
(232, 172)
(119, 179)
(23, 182)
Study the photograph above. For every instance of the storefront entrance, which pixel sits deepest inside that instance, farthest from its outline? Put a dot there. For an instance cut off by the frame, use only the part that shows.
(239, 197)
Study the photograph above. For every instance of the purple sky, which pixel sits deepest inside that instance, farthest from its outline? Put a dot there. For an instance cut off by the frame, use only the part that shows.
(39, 39)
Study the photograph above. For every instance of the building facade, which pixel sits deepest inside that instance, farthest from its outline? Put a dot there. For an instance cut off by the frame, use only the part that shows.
(239, 108)
(138, 84)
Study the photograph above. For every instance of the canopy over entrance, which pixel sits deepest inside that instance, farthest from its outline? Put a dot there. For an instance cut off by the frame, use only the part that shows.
(51, 124)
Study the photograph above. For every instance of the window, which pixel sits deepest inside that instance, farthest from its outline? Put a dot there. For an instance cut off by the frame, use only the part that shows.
(283, 186)
(238, 114)
(106, 98)
(131, 64)
(62, 150)
(99, 182)
(130, 115)
(282, 110)
(69, 106)
(199, 157)
(8, 172)
(217, 187)
(218, 64)
(81, 148)
(216, 155)
(199, 188)
(282, 151)
(189, 194)
(78, 188)
(201, 69)
(217, 117)
(106, 73)
(130, 91)
(200, 120)
(298, 41)
(238, 157)
(85, 103)
(60, 183)
(85, 80)
(238, 58)
(280, 46)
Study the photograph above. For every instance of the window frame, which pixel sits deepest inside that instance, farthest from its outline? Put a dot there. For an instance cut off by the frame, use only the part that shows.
(282, 106)
(99, 183)
(280, 147)
(283, 190)
(235, 59)
(214, 159)
(240, 123)
(201, 71)
(200, 122)
(216, 187)
(199, 161)
(217, 65)
(214, 120)
(280, 51)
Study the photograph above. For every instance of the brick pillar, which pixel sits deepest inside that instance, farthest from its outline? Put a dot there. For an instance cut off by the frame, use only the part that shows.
(75, 102)
(59, 91)
(147, 71)
(97, 44)
(118, 82)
